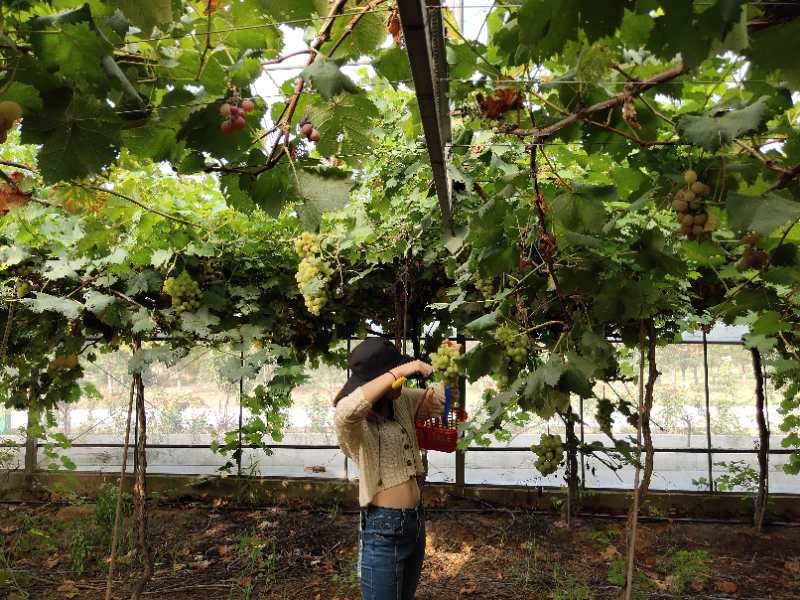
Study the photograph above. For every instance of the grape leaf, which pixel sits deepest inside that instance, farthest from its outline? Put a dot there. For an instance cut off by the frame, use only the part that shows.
(321, 194)
(63, 268)
(12, 255)
(202, 132)
(160, 258)
(461, 60)
(79, 136)
(392, 63)
(145, 357)
(74, 52)
(328, 79)
(235, 196)
(97, 302)
(482, 323)
(47, 303)
(600, 18)
(776, 49)
(23, 94)
(139, 282)
(272, 189)
(763, 214)
(722, 126)
(573, 380)
(682, 30)
(545, 27)
(141, 322)
(366, 36)
(344, 124)
(294, 9)
(199, 323)
(250, 30)
(581, 212)
(145, 14)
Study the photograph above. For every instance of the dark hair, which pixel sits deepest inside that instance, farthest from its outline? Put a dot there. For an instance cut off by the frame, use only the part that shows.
(339, 396)
(370, 359)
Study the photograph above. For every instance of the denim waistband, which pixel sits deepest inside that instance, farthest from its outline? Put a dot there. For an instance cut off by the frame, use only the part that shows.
(385, 510)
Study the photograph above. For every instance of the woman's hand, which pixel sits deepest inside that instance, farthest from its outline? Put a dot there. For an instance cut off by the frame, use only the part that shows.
(431, 404)
(410, 369)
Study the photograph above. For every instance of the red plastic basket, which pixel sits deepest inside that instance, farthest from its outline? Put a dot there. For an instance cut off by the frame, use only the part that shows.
(433, 435)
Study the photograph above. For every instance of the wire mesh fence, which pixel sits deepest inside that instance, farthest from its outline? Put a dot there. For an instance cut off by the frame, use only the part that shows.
(191, 407)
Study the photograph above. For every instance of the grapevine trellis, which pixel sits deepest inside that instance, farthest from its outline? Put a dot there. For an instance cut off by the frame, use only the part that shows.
(618, 172)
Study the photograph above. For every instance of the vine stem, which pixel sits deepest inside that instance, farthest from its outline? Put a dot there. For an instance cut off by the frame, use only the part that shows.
(17, 165)
(280, 59)
(141, 205)
(539, 203)
(647, 407)
(284, 121)
(367, 8)
(140, 485)
(786, 174)
(636, 89)
(207, 46)
(117, 514)
(633, 517)
(763, 443)
(7, 332)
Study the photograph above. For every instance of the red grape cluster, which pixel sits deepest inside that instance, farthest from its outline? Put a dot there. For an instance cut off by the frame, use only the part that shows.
(234, 112)
(10, 113)
(753, 257)
(308, 131)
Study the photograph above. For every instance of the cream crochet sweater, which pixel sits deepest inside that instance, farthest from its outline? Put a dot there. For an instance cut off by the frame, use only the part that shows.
(386, 453)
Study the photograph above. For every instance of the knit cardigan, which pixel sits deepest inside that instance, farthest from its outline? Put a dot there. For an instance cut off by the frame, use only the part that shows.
(387, 454)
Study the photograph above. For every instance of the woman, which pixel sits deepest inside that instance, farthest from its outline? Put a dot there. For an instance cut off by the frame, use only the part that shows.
(375, 426)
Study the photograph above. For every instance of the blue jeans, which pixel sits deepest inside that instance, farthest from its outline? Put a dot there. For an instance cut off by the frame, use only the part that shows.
(391, 551)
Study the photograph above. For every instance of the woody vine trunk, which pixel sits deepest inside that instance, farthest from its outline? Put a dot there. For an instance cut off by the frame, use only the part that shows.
(763, 442)
(140, 488)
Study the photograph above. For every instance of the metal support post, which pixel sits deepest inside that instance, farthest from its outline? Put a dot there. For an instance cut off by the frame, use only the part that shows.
(31, 446)
(241, 394)
(424, 35)
(583, 460)
(708, 415)
(462, 394)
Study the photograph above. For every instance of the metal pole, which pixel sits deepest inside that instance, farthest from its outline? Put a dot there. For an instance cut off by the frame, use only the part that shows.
(424, 36)
(583, 461)
(31, 443)
(349, 344)
(462, 394)
(241, 393)
(708, 415)
(458, 10)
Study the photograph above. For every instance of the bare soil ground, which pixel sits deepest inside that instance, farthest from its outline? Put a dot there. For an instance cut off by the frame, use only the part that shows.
(55, 552)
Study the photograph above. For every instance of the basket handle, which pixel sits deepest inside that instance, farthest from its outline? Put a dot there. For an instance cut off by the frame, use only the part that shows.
(448, 399)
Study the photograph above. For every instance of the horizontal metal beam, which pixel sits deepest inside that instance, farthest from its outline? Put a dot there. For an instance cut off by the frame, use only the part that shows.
(424, 37)
(775, 451)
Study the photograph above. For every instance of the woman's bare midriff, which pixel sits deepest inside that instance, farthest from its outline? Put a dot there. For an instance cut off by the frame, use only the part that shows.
(404, 495)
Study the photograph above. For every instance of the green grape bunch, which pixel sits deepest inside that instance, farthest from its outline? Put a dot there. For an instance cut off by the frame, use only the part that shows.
(212, 271)
(307, 245)
(516, 343)
(605, 420)
(313, 275)
(445, 363)
(689, 203)
(185, 292)
(550, 453)
(485, 286)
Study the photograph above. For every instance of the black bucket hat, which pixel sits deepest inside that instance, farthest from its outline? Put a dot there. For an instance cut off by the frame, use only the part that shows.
(370, 359)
